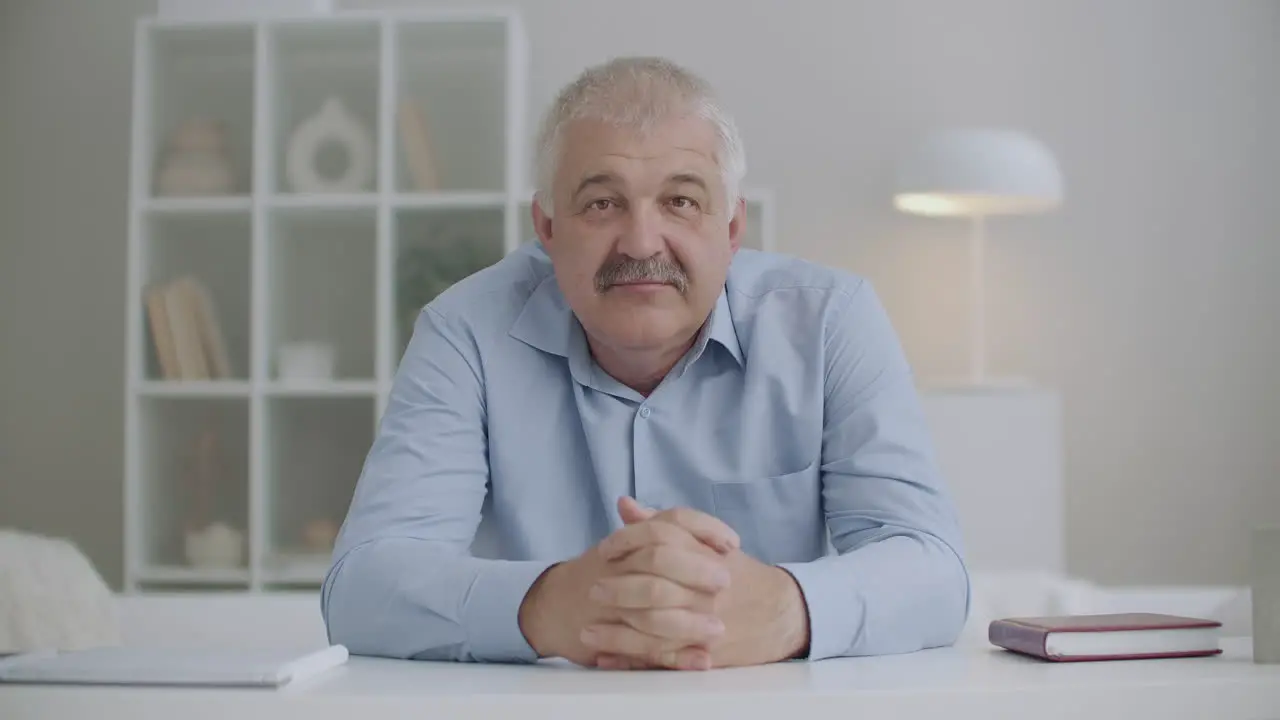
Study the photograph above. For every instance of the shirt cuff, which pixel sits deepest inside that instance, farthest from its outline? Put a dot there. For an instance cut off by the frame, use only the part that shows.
(835, 615)
(492, 611)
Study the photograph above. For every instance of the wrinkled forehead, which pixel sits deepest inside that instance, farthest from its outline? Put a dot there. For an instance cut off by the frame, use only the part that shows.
(639, 152)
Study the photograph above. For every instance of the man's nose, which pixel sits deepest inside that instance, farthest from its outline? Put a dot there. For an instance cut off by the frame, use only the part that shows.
(641, 237)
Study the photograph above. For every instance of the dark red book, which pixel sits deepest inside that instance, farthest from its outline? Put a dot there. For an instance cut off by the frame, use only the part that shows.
(1120, 636)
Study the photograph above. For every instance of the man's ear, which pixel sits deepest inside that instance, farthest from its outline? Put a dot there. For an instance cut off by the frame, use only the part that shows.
(541, 221)
(738, 224)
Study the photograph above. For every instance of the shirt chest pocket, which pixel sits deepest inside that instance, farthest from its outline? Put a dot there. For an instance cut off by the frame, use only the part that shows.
(779, 518)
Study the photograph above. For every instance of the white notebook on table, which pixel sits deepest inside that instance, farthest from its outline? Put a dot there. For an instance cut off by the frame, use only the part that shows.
(171, 666)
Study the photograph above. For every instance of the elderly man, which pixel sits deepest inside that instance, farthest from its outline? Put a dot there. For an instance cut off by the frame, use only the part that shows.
(690, 455)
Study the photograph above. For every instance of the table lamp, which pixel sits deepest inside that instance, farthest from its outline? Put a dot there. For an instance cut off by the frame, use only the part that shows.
(978, 173)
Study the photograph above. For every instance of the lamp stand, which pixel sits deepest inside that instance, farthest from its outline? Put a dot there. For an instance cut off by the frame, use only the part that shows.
(977, 379)
(977, 301)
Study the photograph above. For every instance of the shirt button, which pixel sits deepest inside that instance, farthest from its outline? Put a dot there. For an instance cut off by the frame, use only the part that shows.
(644, 412)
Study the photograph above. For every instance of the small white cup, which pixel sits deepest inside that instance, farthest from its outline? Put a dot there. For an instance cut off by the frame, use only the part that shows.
(1264, 581)
(216, 546)
(306, 361)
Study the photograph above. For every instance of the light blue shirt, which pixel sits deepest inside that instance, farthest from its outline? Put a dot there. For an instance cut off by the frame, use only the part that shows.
(794, 418)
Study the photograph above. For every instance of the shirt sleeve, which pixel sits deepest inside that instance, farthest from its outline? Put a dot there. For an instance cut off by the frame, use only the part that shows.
(898, 582)
(403, 582)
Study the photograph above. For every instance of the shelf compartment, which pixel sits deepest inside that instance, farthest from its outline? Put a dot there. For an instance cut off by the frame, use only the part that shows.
(316, 448)
(321, 270)
(449, 105)
(325, 81)
(195, 300)
(435, 249)
(194, 485)
(200, 115)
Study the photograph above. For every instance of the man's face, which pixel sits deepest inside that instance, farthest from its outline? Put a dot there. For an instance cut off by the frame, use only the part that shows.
(642, 238)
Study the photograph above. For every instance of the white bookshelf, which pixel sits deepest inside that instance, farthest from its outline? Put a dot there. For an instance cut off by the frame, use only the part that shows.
(342, 267)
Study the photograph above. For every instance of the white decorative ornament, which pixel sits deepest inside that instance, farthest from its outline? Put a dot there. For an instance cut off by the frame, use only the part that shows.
(333, 123)
(217, 546)
(306, 362)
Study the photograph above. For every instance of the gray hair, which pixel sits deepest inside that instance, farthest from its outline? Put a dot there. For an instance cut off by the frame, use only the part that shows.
(638, 93)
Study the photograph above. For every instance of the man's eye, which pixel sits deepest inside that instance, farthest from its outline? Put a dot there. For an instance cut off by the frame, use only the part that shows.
(683, 203)
(601, 204)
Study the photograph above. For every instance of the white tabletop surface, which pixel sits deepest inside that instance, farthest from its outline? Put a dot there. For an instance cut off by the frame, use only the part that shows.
(963, 682)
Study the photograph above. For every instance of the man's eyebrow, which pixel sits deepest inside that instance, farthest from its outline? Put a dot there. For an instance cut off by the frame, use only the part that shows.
(603, 178)
(691, 178)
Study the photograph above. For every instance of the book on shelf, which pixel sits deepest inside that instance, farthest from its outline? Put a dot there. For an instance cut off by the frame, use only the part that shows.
(418, 149)
(1115, 636)
(186, 331)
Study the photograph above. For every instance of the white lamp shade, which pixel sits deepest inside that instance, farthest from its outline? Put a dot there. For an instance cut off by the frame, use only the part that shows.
(978, 171)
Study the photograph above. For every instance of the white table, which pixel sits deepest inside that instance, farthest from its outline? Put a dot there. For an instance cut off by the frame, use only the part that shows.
(954, 684)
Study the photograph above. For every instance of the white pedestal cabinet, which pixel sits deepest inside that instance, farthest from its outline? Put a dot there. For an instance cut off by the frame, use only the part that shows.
(1001, 454)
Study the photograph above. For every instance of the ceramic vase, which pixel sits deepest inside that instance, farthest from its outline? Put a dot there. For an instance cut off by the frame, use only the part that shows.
(332, 123)
(196, 161)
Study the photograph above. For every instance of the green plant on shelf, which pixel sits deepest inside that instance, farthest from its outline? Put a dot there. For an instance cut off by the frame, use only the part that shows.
(431, 262)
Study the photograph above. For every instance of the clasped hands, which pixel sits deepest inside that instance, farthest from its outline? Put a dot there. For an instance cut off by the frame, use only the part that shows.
(670, 589)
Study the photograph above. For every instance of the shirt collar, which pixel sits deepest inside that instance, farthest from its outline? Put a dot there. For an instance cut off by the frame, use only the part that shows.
(721, 328)
(547, 323)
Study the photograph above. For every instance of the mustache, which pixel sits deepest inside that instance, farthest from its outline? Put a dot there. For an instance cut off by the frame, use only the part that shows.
(650, 269)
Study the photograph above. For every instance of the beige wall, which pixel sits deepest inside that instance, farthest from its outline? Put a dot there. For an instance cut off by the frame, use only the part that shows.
(1148, 301)
(64, 133)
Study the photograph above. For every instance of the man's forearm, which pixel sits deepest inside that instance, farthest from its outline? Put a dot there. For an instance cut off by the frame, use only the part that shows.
(410, 598)
(902, 593)
(790, 634)
(536, 615)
